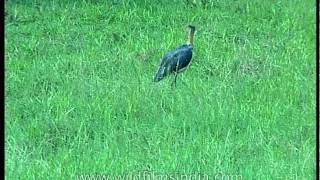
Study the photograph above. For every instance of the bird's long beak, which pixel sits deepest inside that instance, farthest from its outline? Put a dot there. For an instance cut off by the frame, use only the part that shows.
(192, 30)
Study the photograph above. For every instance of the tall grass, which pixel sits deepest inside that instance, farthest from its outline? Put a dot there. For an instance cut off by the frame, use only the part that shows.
(80, 98)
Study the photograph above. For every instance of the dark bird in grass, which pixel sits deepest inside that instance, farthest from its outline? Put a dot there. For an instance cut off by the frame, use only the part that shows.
(177, 60)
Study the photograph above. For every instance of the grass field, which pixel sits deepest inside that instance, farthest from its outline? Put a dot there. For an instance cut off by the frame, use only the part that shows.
(80, 100)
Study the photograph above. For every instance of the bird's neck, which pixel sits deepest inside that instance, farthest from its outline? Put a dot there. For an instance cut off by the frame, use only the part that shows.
(190, 37)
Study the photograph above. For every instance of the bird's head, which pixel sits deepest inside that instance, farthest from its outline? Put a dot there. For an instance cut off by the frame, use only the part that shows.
(192, 30)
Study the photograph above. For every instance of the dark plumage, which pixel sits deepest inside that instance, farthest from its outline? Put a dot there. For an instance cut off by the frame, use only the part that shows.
(177, 60)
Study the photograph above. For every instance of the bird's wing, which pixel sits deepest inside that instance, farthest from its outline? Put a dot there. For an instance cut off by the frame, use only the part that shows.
(174, 61)
(181, 59)
(165, 66)
(174, 54)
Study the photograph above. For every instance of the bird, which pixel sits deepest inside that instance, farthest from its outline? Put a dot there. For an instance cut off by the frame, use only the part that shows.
(177, 60)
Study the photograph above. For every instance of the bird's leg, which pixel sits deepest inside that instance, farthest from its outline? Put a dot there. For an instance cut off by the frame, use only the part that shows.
(175, 75)
(174, 82)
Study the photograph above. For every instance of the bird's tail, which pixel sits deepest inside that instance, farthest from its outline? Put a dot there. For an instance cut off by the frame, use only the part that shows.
(161, 73)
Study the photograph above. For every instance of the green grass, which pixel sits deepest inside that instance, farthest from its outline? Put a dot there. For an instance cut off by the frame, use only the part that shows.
(80, 97)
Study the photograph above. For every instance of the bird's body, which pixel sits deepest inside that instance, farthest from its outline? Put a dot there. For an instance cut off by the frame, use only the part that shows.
(177, 60)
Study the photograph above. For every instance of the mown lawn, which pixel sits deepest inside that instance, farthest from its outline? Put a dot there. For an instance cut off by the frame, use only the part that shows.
(80, 98)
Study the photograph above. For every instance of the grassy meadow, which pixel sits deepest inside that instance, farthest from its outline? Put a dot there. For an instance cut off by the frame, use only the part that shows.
(80, 100)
